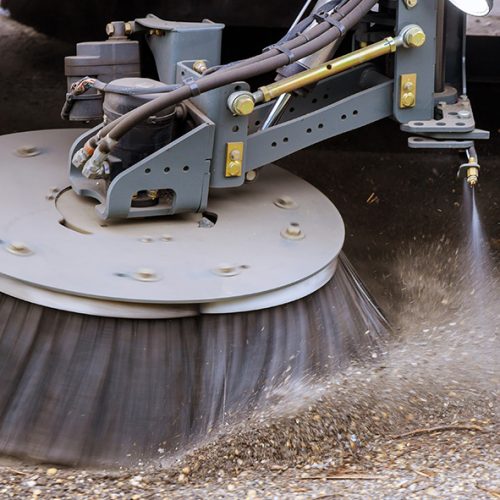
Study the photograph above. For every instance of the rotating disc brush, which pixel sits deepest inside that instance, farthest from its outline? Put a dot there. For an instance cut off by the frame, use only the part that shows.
(116, 342)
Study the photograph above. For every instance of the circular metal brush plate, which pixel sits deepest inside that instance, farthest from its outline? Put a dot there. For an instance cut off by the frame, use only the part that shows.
(55, 251)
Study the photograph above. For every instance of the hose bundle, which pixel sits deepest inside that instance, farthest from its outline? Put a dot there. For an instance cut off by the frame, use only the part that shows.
(342, 18)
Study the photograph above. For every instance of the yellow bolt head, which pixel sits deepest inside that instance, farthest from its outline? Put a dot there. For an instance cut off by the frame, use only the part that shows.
(415, 37)
(408, 99)
(234, 169)
(243, 105)
(408, 86)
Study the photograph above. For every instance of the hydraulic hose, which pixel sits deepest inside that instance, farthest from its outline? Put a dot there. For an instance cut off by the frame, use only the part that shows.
(318, 37)
(291, 40)
(323, 34)
(300, 39)
(123, 89)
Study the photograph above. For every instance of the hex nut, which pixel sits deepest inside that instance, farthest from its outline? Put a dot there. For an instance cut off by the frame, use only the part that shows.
(293, 232)
(408, 99)
(414, 37)
(241, 104)
(234, 168)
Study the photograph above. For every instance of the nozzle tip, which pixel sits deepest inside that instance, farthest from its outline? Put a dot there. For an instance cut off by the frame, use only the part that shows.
(472, 176)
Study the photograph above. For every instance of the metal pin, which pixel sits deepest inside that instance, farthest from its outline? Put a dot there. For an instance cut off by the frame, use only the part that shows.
(226, 270)
(27, 151)
(293, 232)
(286, 202)
(19, 248)
(145, 274)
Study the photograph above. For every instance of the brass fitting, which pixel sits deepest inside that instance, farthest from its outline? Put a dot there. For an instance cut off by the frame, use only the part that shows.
(414, 36)
(241, 103)
(311, 76)
(119, 29)
(110, 29)
(472, 176)
(128, 28)
(200, 66)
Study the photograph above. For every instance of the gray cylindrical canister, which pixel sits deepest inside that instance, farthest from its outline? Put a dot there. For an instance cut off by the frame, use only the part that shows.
(154, 133)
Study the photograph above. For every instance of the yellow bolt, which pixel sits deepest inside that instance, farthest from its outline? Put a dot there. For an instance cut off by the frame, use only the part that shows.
(243, 105)
(408, 86)
(235, 155)
(234, 168)
(415, 37)
(408, 99)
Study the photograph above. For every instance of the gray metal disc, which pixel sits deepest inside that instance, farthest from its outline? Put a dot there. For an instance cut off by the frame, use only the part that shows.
(275, 240)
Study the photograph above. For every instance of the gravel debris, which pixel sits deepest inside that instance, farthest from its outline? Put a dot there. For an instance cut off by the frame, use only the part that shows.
(420, 421)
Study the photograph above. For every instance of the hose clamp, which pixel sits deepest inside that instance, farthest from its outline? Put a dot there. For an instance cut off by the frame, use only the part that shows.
(291, 55)
(326, 17)
(193, 86)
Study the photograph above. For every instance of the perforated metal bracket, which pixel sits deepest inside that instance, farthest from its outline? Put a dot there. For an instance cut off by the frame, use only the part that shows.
(456, 117)
(429, 143)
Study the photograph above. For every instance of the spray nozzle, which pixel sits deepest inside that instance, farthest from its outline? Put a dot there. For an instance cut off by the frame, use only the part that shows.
(470, 170)
(472, 175)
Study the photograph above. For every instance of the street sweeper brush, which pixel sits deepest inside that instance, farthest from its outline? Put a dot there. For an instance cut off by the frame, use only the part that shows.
(80, 389)
(159, 282)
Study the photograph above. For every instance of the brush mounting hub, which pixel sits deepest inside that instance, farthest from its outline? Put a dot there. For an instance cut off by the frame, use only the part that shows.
(250, 258)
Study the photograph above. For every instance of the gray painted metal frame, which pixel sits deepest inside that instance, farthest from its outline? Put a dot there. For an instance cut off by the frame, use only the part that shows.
(181, 41)
(421, 61)
(229, 128)
(344, 102)
(350, 113)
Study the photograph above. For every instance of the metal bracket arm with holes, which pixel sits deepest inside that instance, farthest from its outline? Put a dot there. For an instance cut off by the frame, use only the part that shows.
(229, 139)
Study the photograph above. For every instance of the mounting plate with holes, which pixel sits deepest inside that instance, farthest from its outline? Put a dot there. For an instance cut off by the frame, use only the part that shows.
(456, 117)
(428, 143)
(164, 266)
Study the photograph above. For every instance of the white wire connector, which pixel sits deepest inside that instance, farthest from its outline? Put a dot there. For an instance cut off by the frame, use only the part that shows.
(82, 155)
(97, 166)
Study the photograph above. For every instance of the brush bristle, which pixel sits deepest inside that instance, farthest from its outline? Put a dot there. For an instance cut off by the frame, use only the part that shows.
(78, 389)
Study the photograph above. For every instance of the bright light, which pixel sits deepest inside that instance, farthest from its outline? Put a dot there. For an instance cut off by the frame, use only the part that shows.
(474, 7)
